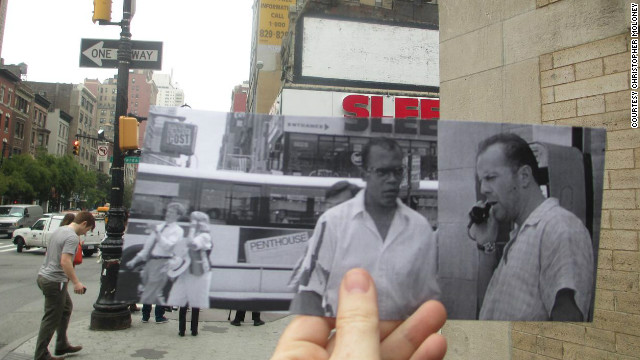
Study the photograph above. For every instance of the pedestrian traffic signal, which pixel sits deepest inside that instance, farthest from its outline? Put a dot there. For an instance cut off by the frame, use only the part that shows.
(76, 147)
(101, 10)
(128, 133)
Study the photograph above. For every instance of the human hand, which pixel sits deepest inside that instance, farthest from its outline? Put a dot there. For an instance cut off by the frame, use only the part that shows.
(486, 231)
(359, 333)
(132, 263)
(79, 288)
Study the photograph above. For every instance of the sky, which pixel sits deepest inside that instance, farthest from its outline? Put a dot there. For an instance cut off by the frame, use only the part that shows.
(206, 44)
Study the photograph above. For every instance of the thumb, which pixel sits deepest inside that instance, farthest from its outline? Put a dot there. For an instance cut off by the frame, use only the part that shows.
(357, 330)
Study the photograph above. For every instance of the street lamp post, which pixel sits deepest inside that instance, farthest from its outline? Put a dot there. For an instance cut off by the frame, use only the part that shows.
(109, 314)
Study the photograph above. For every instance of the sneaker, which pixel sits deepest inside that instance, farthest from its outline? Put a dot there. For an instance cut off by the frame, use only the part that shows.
(235, 323)
(145, 320)
(162, 320)
(258, 323)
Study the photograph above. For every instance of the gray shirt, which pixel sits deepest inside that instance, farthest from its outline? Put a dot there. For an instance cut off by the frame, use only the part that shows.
(63, 241)
(551, 251)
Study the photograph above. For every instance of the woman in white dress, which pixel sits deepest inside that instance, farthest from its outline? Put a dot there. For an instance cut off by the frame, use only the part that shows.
(191, 286)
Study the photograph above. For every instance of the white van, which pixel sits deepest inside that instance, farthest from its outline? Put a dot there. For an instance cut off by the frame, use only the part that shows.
(17, 216)
(39, 235)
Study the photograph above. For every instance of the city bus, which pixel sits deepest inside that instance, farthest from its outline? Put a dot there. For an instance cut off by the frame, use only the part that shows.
(260, 224)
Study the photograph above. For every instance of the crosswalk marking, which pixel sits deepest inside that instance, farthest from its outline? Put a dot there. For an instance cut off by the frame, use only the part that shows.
(11, 247)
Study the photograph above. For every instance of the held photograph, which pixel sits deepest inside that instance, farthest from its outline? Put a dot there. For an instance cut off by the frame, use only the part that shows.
(226, 205)
(519, 211)
(260, 213)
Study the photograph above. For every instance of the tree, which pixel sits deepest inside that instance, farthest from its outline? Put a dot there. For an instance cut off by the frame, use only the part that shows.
(68, 178)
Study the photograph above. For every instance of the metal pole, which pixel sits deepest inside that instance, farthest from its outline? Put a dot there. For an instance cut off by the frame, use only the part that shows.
(110, 314)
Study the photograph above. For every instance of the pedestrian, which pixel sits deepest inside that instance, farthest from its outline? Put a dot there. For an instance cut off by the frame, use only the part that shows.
(338, 193)
(377, 232)
(67, 219)
(192, 272)
(239, 318)
(156, 252)
(546, 269)
(53, 278)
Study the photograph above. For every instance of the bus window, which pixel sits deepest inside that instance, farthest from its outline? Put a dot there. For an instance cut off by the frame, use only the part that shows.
(215, 200)
(245, 204)
(152, 194)
(298, 205)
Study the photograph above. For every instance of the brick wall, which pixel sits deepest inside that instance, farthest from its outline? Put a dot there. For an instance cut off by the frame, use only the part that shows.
(588, 85)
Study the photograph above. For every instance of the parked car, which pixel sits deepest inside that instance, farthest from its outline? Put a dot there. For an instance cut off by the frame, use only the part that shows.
(39, 235)
(18, 216)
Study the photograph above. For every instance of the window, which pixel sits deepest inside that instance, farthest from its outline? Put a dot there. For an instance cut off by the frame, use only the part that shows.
(19, 133)
(39, 225)
(297, 205)
(2, 94)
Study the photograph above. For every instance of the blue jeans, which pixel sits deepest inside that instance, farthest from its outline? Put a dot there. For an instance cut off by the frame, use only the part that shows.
(146, 312)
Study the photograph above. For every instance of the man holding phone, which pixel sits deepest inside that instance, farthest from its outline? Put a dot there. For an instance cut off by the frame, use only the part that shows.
(546, 269)
(53, 278)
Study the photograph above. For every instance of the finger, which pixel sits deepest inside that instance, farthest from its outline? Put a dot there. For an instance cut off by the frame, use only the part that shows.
(304, 338)
(388, 327)
(357, 332)
(409, 336)
(434, 348)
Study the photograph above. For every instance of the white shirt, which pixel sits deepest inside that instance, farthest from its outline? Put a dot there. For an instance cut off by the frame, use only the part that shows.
(551, 251)
(403, 266)
(170, 234)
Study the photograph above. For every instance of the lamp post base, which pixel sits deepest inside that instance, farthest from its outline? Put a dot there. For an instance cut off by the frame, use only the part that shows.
(110, 317)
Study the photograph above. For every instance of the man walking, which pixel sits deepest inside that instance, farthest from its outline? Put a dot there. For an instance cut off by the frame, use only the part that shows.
(377, 232)
(53, 278)
(546, 270)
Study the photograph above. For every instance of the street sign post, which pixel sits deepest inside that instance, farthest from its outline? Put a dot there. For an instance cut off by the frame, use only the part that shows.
(103, 53)
(131, 160)
(103, 149)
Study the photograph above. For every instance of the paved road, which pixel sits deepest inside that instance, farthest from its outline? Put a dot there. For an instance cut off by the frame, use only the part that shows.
(22, 301)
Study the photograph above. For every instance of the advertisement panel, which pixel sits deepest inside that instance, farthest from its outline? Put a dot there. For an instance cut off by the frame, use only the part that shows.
(274, 21)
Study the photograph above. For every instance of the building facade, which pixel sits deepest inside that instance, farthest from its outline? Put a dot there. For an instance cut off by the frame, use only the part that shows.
(83, 107)
(169, 94)
(318, 71)
(8, 81)
(39, 131)
(235, 148)
(58, 124)
(22, 106)
(3, 20)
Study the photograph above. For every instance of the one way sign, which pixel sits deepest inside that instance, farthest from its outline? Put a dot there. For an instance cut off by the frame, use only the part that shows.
(103, 53)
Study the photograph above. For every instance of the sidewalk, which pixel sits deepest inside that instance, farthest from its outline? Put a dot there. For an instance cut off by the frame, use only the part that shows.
(217, 339)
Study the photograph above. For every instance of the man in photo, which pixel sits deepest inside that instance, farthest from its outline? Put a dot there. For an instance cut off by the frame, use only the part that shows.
(53, 278)
(546, 269)
(377, 232)
(338, 193)
(157, 251)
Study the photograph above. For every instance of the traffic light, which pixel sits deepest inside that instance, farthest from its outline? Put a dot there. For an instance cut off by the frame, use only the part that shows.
(128, 131)
(76, 147)
(101, 10)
